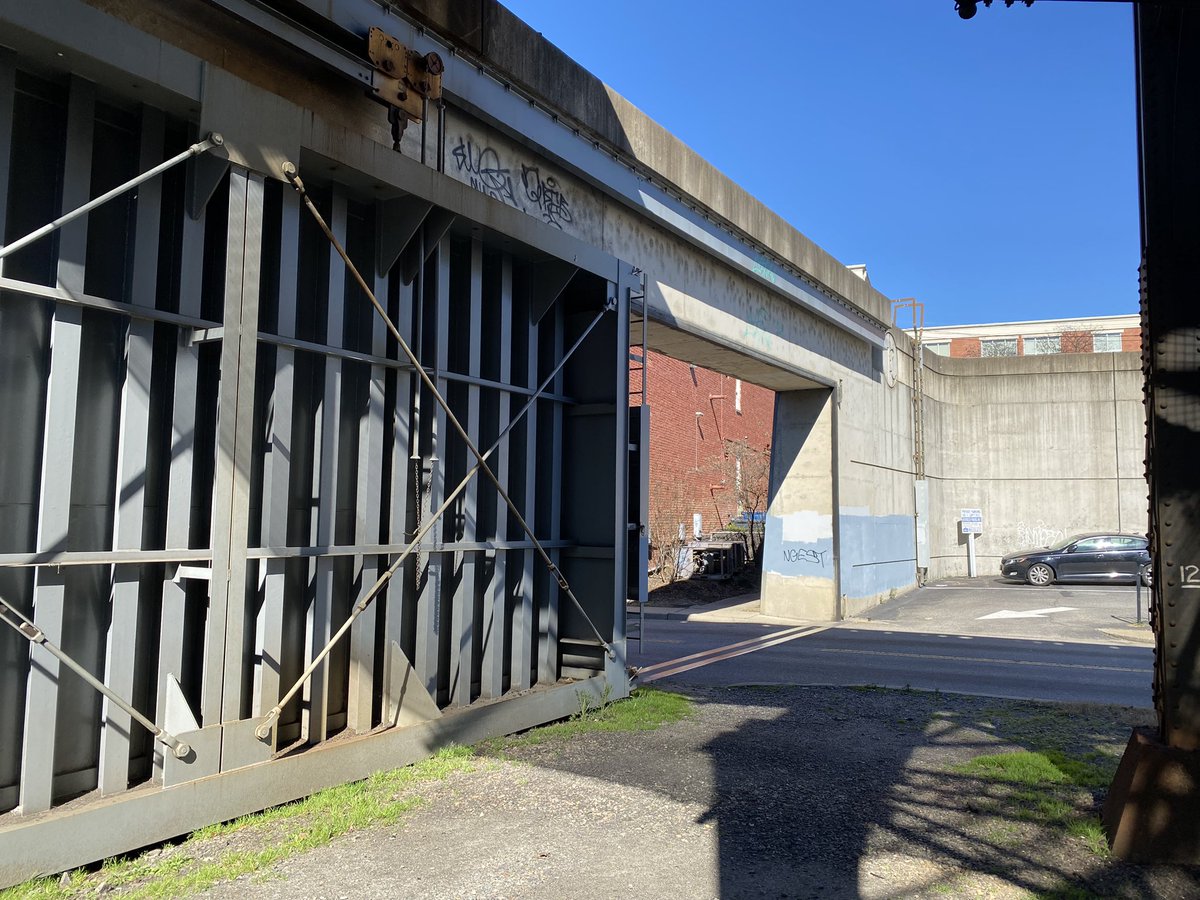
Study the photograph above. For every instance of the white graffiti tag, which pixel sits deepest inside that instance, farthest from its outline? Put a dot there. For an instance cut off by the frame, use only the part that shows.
(1037, 534)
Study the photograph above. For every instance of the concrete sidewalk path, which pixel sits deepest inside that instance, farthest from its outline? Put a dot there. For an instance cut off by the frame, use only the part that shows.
(742, 609)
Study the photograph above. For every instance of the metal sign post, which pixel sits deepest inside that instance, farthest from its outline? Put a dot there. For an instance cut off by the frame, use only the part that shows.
(972, 524)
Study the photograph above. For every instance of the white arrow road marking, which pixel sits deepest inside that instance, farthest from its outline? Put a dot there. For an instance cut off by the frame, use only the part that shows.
(1028, 614)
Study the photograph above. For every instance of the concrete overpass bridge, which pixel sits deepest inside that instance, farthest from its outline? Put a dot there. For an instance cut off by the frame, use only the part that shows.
(225, 453)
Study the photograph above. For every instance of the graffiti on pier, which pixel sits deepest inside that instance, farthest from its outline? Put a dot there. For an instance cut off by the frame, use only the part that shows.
(545, 194)
(483, 170)
(802, 555)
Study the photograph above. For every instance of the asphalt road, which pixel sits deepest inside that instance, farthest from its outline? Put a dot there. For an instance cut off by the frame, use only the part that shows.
(994, 608)
(700, 653)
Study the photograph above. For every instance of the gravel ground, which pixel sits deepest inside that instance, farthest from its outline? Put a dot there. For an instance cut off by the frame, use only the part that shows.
(763, 792)
(696, 591)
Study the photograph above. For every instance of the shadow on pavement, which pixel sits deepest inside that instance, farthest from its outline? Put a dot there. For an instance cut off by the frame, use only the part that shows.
(843, 792)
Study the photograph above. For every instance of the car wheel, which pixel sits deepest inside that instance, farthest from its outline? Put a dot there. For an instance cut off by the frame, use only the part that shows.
(1040, 574)
(1147, 576)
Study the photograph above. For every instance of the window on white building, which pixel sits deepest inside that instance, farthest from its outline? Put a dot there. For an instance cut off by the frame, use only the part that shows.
(941, 348)
(1043, 344)
(1106, 342)
(998, 347)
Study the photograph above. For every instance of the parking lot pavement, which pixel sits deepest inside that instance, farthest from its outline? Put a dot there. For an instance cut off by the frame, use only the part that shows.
(994, 608)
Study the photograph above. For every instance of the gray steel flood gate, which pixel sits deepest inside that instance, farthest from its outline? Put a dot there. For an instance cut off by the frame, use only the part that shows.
(211, 447)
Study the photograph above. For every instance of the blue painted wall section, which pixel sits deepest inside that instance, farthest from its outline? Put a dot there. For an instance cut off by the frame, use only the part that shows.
(878, 553)
(799, 545)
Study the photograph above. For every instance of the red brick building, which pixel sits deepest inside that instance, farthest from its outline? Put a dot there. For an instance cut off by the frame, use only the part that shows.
(710, 434)
(1108, 334)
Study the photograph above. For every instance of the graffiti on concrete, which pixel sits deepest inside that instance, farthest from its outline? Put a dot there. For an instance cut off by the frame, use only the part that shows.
(1038, 534)
(537, 194)
(545, 194)
(483, 170)
(802, 555)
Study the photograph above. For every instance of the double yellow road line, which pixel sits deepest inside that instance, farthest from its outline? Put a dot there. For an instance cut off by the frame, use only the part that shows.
(729, 651)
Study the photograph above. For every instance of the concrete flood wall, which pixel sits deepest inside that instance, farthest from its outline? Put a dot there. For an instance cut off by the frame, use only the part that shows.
(1045, 446)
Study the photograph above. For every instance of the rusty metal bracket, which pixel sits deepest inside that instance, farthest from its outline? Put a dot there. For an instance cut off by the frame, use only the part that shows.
(403, 78)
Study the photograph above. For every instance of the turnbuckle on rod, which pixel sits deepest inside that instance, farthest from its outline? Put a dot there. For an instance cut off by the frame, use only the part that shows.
(18, 621)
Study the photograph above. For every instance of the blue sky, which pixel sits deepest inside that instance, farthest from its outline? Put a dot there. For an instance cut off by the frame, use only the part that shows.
(986, 167)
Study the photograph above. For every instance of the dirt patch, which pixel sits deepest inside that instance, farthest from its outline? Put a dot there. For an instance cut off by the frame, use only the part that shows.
(699, 591)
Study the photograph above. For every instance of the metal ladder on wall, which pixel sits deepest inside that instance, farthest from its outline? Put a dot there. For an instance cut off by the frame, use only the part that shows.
(639, 469)
(920, 485)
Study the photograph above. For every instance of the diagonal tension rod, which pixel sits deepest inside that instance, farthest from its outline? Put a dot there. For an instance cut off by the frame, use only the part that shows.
(213, 140)
(263, 730)
(25, 627)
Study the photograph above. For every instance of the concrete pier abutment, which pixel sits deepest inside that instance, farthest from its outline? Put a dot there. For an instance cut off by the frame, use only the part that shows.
(800, 549)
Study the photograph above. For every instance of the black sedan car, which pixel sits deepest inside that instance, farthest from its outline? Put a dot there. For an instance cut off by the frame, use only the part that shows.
(1083, 557)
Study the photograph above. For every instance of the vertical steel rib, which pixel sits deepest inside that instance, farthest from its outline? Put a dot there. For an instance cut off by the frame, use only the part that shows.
(42, 694)
(134, 432)
(264, 729)
(294, 178)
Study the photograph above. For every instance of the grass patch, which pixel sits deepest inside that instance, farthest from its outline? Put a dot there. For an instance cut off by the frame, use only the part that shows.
(645, 709)
(1041, 767)
(195, 864)
(1006, 834)
(1077, 730)
(1045, 788)
(1057, 782)
(1091, 833)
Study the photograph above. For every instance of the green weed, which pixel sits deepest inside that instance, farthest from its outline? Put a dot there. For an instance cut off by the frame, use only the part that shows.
(644, 710)
(1045, 789)
(183, 869)
(1091, 833)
